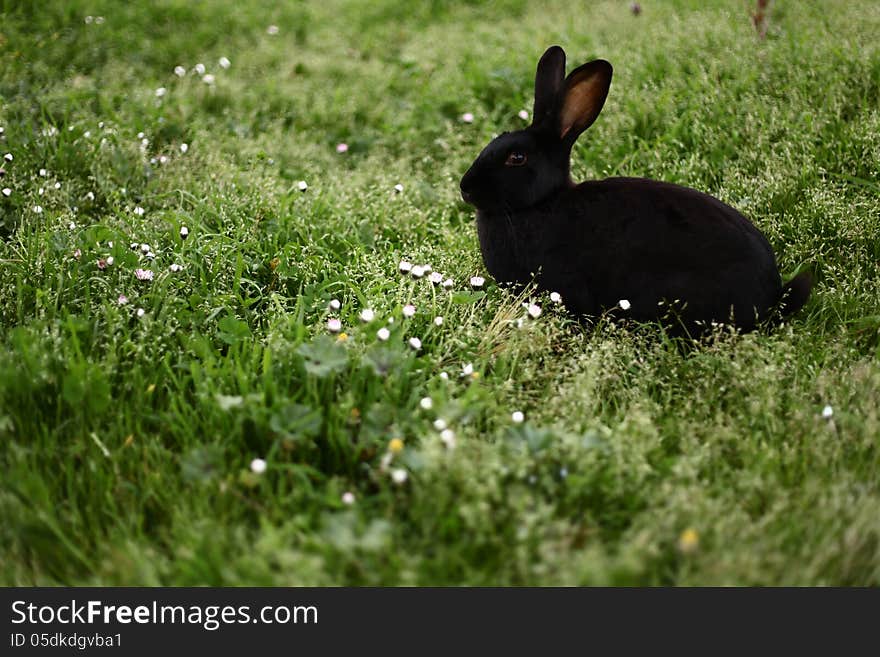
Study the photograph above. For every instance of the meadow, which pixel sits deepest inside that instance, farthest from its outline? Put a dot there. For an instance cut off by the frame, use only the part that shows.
(177, 407)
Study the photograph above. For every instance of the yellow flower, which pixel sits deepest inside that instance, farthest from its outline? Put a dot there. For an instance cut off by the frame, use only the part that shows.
(689, 540)
(342, 337)
(151, 388)
(395, 445)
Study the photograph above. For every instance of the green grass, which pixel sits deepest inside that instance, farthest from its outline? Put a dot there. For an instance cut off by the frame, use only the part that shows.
(125, 441)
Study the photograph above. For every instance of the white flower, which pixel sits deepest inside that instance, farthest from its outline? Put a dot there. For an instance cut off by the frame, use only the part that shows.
(517, 417)
(163, 159)
(208, 78)
(41, 191)
(179, 71)
(555, 297)
(122, 300)
(8, 157)
(145, 248)
(200, 69)
(272, 29)
(139, 211)
(144, 143)
(58, 185)
(110, 260)
(140, 312)
(399, 476)
(90, 196)
(409, 310)
(523, 114)
(444, 376)
(439, 424)
(438, 321)
(143, 274)
(184, 147)
(448, 284)
(348, 498)
(477, 281)
(334, 325)
(398, 188)
(174, 267)
(99, 20)
(827, 412)
(467, 370)
(184, 231)
(161, 91)
(44, 173)
(87, 134)
(258, 466)
(415, 343)
(467, 117)
(224, 62)
(624, 304)
(7, 191)
(383, 334)
(448, 438)
(426, 403)
(405, 266)
(436, 277)
(418, 271)
(38, 209)
(342, 148)
(534, 310)
(71, 225)
(367, 315)
(302, 185)
(334, 304)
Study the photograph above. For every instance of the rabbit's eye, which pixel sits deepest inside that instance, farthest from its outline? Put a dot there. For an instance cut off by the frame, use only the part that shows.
(515, 159)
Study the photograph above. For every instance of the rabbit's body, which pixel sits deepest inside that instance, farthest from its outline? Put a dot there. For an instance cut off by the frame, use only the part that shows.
(672, 252)
(648, 242)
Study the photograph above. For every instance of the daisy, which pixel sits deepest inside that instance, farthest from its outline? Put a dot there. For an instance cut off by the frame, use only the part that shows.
(415, 343)
(517, 417)
(334, 325)
(624, 304)
(258, 466)
(477, 281)
(383, 334)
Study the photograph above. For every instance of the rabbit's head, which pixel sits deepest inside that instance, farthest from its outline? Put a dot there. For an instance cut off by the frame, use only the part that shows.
(522, 168)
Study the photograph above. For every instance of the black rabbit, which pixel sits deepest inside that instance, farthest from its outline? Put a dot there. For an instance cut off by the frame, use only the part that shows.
(653, 245)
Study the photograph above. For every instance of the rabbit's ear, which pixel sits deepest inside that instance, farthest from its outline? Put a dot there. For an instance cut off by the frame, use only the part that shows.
(585, 91)
(548, 81)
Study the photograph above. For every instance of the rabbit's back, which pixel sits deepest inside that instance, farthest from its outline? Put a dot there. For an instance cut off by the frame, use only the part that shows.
(648, 242)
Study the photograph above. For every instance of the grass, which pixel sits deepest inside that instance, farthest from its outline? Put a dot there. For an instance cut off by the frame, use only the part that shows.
(126, 441)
